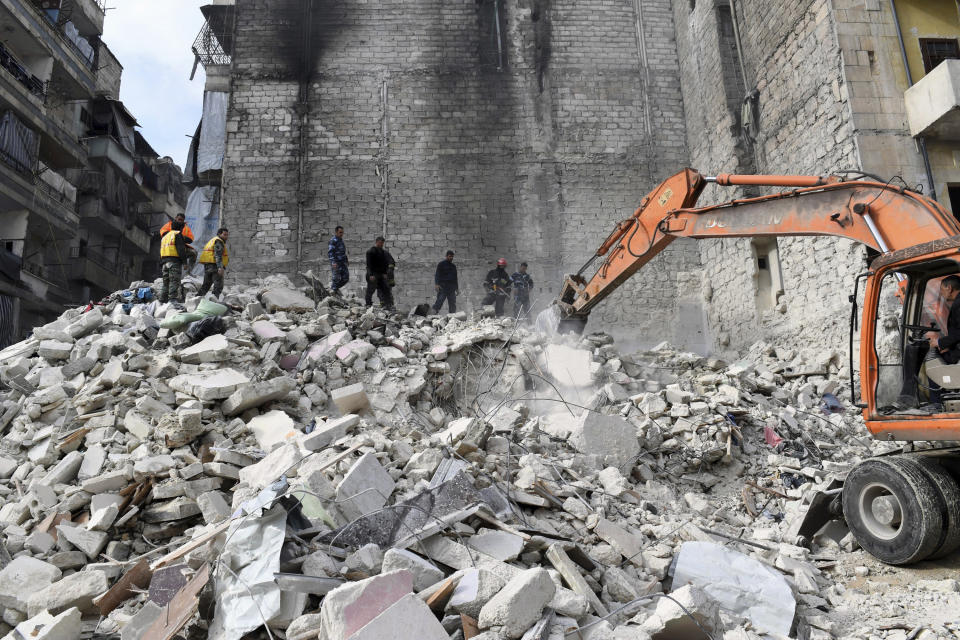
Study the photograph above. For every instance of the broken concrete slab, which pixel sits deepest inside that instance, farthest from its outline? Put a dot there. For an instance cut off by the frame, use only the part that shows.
(611, 438)
(23, 577)
(474, 589)
(365, 488)
(400, 619)
(273, 428)
(76, 590)
(424, 573)
(627, 544)
(502, 545)
(282, 299)
(519, 604)
(46, 626)
(277, 463)
(348, 608)
(90, 542)
(215, 348)
(673, 619)
(326, 433)
(209, 385)
(255, 394)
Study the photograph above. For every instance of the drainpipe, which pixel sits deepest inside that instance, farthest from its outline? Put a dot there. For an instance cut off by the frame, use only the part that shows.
(921, 141)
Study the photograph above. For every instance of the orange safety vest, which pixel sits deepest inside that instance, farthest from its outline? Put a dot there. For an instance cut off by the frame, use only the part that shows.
(187, 231)
(207, 256)
(168, 245)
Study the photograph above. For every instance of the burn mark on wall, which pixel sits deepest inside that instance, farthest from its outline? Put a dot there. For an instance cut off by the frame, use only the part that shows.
(542, 36)
(492, 44)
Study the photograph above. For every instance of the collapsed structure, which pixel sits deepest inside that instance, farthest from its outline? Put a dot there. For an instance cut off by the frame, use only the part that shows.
(326, 469)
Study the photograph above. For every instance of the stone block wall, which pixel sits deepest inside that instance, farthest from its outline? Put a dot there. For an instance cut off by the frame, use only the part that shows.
(426, 122)
(792, 57)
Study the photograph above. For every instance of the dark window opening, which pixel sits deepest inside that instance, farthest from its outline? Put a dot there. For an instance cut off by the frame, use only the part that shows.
(936, 50)
(492, 26)
(953, 192)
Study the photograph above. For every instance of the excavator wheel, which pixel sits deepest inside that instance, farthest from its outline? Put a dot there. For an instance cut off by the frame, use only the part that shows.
(893, 509)
(949, 492)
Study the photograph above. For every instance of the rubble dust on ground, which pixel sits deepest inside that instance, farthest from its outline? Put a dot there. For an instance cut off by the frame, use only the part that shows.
(274, 467)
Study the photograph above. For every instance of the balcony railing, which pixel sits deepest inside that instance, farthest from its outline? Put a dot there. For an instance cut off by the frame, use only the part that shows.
(19, 72)
(49, 16)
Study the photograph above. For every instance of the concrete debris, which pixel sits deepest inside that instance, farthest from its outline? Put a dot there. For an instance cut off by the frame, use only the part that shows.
(414, 460)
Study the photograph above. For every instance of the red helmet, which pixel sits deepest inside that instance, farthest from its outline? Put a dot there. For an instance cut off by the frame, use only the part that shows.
(502, 262)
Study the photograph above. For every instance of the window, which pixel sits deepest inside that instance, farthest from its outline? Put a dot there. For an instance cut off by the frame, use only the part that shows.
(936, 50)
(953, 193)
(769, 282)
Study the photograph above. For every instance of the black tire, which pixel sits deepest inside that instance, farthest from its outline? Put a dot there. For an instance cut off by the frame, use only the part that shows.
(916, 532)
(949, 504)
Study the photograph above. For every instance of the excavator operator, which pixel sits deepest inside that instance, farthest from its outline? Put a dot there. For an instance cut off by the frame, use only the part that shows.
(949, 344)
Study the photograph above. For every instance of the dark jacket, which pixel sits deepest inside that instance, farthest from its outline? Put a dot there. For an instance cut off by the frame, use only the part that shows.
(181, 250)
(950, 341)
(378, 261)
(498, 280)
(522, 284)
(446, 276)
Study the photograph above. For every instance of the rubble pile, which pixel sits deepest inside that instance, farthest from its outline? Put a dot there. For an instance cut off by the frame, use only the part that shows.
(324, 470)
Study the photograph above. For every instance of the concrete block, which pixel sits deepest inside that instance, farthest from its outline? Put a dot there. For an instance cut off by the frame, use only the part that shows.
(40, 543)
(348, 608)
(502, 545)
(46, 626)
(391, 355)
(209, 385)
(350, 399)
(475, 588)
(65, 470)
(671, 621)
(93, 459)
(215, 348)
(626, 543)
(423, 572)
(76, 590)
(176, 509)
(273, 428)
(90, 542)
(283, 299)
(278, 462)
(23, 577)
(399, 621)
(519, 604)
(55, 350)
(213, 507)
(137, 425)
(255, 394)
(326, 433)
(141, 621)
(305, 627)
(612, 438)
(365, 488)
(108, 482)
(86, 323)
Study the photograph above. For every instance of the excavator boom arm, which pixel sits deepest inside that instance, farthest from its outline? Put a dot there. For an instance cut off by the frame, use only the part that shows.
(883, 217)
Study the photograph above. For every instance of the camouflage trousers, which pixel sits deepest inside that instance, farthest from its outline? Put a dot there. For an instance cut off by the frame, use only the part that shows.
(172, 288)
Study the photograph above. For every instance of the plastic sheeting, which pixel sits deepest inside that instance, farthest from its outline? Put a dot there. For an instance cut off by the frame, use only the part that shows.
(203, 216)
(246, 593)
(741, 584)
(213, 131)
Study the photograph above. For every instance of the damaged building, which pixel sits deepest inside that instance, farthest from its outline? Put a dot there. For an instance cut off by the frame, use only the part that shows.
(528, 128)
(79, 186)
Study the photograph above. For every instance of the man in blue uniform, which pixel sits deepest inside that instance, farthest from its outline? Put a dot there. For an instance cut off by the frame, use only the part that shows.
(522, 285)
(337, 253)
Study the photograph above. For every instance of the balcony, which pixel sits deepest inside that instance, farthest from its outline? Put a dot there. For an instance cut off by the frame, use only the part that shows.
(98, 270)
(86, 15)
(933, 103)
(94, 214)
(19, 72)
(108, 148)
(75, 57)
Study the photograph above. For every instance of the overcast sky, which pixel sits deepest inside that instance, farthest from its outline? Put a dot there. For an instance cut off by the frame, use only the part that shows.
(152, 40)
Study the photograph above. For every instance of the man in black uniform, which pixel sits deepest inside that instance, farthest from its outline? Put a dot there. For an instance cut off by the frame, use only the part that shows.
(522, 284)
(445, 281)
(379, 266)
(497, 284)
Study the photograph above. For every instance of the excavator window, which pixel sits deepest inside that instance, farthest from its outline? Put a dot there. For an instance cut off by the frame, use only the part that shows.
(888, 343)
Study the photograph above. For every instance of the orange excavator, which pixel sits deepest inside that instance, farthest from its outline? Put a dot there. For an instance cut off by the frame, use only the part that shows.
(901, 508)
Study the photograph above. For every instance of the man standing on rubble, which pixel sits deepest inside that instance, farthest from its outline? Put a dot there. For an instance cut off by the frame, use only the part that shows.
(339, 263)
(522, 284)
(173, 252)
(380, 265)
(497, 284)
(188, 237)
(215, 259)
(445, 281)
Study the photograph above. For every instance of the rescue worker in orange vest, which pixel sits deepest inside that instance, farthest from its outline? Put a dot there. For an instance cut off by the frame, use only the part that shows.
(188, 238)
(215, 259)
(173, 252)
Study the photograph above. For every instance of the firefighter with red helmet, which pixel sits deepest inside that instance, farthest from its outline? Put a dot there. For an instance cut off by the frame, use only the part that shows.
(497, 284)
